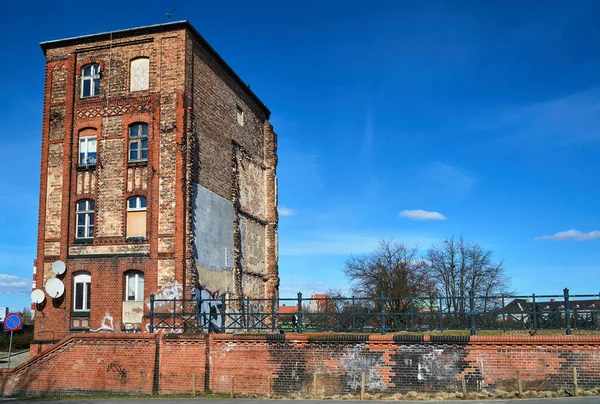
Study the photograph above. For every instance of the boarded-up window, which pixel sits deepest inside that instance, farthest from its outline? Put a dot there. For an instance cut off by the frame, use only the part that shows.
(136, 217)
(140, 74)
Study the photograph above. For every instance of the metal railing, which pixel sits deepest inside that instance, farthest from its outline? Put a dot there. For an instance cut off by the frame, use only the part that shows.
(382, 314)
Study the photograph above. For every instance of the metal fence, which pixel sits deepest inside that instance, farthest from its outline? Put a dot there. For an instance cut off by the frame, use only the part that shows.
(382, 314)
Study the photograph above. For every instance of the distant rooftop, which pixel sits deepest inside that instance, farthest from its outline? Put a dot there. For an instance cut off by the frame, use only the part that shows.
(168, 26)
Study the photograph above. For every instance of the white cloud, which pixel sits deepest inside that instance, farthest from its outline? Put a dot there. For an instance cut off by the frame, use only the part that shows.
(13, 285)
(571, 235)
(419, 214)
(285, 211)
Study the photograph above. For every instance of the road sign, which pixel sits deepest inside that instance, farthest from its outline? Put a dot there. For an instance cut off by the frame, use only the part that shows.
(13, 322)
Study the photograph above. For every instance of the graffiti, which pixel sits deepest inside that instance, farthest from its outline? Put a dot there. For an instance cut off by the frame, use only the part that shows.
(209, 309)
(164, 297)
(116, 368)
(358, 360)
(106, 324)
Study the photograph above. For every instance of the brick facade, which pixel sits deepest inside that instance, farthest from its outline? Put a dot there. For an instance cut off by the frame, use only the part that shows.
(190, 109)
(171, 363)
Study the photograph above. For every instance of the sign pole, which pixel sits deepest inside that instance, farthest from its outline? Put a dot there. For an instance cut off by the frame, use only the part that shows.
(9, 350)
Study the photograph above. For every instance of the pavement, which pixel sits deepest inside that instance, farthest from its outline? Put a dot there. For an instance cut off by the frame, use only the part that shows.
(570, 400)
(16, 358)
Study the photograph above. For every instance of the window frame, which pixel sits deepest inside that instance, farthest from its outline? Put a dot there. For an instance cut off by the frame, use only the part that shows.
(138, 139)
(88, 213)
(138, 294)
(93, 78)
(140, 205)
(87, 151)
(85, 279)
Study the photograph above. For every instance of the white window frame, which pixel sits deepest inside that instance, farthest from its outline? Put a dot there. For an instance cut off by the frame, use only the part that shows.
(88, 212)
(85, 279)
(138, 204)
(138, 294)
(93, 78)
(84, 149)
(138, 138)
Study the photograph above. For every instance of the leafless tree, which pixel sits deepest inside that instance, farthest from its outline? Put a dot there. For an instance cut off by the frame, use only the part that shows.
(458, 267)
(394, 271)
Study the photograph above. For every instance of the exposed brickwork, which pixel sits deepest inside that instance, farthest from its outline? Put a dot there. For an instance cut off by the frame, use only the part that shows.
(190, 110)
(167, 363)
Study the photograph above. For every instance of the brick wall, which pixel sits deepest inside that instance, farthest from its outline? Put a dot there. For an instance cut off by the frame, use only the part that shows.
(167, 364)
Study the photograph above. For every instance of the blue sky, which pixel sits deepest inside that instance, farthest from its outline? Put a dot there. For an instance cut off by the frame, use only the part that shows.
(484, 112)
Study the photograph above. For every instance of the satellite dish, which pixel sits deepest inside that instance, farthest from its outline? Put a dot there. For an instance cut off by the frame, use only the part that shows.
(59, 267)
(38, 296)
(55, 288)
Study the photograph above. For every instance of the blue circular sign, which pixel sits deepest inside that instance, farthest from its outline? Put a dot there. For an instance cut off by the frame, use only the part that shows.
(13, 322)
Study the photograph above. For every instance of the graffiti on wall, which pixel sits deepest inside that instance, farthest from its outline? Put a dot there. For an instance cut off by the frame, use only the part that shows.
(106, 324)
(209, 314)
(163, 299)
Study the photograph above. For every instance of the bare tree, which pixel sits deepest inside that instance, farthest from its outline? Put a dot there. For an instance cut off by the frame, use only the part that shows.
(458, 268)
(394, 271)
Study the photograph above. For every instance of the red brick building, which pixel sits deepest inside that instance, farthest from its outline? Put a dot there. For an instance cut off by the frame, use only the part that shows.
(158, 176)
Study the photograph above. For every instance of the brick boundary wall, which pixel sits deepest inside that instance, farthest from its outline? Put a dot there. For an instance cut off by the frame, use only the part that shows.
(175, 363)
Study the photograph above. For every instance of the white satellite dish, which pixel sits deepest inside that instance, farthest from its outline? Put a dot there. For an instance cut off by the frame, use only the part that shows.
(55, 288)
(38, 296)
(59, 267)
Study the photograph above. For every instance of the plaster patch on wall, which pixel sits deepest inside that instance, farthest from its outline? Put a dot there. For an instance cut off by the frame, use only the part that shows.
(52, 248)
(212, 225)
(54, 186)
(48, 274)
(166, 271)
(252, 186)
(253, 238)
(109, 249)
(357, 360)
(111, 184)
(166, 244)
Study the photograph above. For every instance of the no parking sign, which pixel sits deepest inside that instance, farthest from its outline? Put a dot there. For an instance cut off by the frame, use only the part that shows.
(12, 322)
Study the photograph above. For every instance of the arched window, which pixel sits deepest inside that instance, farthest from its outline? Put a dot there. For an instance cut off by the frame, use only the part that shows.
(81, 291)
(90, 80)
(139, 73)
(134, 286)
(136, 216)
(138, 142)
(85, 219)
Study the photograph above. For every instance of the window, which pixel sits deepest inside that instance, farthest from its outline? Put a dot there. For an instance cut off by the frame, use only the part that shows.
(139, 70)
(240, 115)
(87, 150)
(85, 219)
(90, 81)
(134, 286)
(81, 292)
(138, 142)
(136, 217)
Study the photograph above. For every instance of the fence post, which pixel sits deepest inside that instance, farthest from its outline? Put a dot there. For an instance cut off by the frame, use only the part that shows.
(382, 318)
(247, 311)
(353, 315)
(534, 312)
(441, 314)
(151, 312)
(503, 316)
(299, 322)
(273, 303)
(174, 314)
(472, 311)
(223, 313)
(567, 311)
(412, 315)
(326, 314)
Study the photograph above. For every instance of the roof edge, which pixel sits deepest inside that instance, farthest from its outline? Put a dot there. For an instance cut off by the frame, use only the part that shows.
(157, 28)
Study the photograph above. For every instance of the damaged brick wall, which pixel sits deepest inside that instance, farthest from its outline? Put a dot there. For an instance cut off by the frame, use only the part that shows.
(167, 364)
